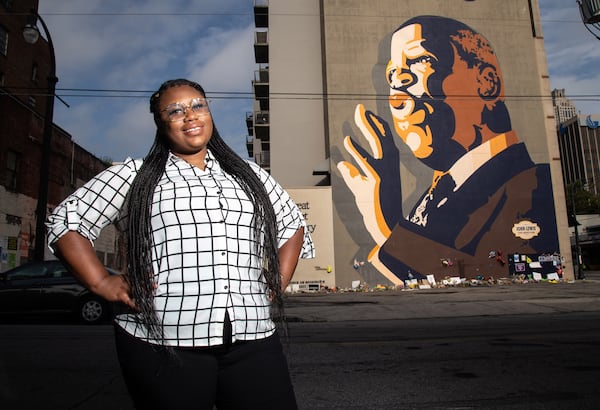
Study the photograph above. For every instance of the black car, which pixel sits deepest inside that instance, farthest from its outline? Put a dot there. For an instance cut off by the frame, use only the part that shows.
(49, 287)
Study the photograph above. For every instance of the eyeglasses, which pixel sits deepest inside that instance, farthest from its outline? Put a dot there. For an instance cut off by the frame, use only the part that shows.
(178, 111)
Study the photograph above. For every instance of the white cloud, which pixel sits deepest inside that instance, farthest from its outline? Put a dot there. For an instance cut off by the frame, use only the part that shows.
(231, 55)
(573, 54)
(132, 131)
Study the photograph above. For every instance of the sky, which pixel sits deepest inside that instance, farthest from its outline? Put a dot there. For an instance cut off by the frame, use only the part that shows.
(112, 54)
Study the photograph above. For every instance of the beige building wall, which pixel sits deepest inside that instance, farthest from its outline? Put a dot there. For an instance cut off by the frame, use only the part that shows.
(298, 144)
(316, 206)
(560, 201)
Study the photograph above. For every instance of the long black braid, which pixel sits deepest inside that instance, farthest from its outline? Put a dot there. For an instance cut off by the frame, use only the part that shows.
(138, 207)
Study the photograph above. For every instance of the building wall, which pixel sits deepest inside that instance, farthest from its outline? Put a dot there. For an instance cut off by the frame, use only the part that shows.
(17, 67)
(70, 167)
(316, 206)
(377, 182)
(570, 151)
(358, 36)
(579, 142)
(17, 228)
(355, 51)
(590, 135)
(588, 239)
(296, 92)
(564, 109)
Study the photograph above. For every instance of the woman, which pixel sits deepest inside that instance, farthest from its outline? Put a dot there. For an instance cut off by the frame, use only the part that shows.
(212, 242)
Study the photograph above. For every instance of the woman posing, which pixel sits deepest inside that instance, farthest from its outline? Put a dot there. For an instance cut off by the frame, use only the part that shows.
(212, 241)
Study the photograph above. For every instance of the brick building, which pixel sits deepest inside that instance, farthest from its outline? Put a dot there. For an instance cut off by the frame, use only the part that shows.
(24, 72)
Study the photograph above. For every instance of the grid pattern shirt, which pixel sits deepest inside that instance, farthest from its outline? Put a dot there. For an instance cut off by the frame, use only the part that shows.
(203, 247)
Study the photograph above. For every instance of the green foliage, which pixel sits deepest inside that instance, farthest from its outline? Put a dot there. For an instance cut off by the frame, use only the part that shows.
(582, 200)
(108, 161)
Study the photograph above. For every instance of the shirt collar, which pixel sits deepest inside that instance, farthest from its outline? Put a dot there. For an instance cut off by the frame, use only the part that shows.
(212, 165)
(477, 157)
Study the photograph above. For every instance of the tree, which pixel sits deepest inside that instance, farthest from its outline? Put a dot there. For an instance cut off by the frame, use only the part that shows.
(581, 201)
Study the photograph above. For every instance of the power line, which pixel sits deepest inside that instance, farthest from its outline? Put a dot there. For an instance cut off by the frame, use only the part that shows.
(289, 96)
(130, 93)
(251, 13)
(145, 14)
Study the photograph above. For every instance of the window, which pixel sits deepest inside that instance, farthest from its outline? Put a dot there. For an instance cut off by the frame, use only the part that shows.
(12, 170)
(7, 4)
(57, 270)
(3, 40)
(34, 72)
(29, 271)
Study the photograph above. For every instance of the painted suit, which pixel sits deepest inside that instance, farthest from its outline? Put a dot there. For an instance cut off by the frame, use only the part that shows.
(496, 200)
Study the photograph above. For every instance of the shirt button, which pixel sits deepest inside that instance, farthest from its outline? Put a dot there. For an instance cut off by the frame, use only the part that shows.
(222, 253)
(225, 287)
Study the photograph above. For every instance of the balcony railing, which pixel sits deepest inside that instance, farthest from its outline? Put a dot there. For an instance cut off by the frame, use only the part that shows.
(250, 145)
(261, 47)
(261, 13)
(263, 159)
(261, 84)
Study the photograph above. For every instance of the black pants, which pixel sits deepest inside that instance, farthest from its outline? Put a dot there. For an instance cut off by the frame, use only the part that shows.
(243, 376)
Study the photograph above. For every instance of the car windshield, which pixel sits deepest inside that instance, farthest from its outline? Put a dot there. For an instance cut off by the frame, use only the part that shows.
(37, 270)
(28, 271)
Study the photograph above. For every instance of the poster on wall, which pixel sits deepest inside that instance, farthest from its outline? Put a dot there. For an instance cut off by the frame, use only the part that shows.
(535, 266)
(8, 252)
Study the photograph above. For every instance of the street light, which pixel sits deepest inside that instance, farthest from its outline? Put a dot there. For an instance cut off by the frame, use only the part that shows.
(590, 15)
(578, 258)
(31, 34)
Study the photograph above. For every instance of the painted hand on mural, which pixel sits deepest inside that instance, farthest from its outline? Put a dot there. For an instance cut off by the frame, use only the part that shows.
(375, 183)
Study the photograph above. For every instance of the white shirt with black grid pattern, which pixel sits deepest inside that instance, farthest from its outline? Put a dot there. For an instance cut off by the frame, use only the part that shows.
(203, 247)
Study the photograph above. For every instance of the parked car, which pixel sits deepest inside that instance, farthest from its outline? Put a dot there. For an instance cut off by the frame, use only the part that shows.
(49, 287)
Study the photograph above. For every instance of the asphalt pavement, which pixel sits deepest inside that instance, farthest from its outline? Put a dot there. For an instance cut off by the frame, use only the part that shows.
(506, 298)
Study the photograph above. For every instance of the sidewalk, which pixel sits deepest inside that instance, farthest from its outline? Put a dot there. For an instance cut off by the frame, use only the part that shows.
(508, 299)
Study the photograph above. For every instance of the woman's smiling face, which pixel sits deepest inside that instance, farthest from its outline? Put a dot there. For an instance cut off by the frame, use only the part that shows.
(188, 136)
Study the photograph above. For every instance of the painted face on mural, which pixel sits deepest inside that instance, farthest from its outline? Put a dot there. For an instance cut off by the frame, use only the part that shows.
(410, 99)
(434, 97)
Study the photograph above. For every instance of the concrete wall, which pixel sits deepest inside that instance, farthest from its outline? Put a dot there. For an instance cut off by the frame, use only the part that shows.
(316, 206)
(296, 92)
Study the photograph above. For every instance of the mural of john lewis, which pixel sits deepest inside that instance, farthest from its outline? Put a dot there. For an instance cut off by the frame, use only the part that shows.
(446, 97)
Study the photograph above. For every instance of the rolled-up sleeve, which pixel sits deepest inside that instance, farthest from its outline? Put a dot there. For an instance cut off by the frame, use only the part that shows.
(95, 205)
(288, 215)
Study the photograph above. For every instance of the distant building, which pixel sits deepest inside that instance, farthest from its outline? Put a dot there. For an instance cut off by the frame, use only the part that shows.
(588, 239)
(564, 109)
(579, 144)
(24, 69)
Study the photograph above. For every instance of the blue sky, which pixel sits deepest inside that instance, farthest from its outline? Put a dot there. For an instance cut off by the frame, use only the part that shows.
(133, 46)
(136, 45)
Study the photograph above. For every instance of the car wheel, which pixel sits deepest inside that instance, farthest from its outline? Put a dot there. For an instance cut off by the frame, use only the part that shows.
(92, 310)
